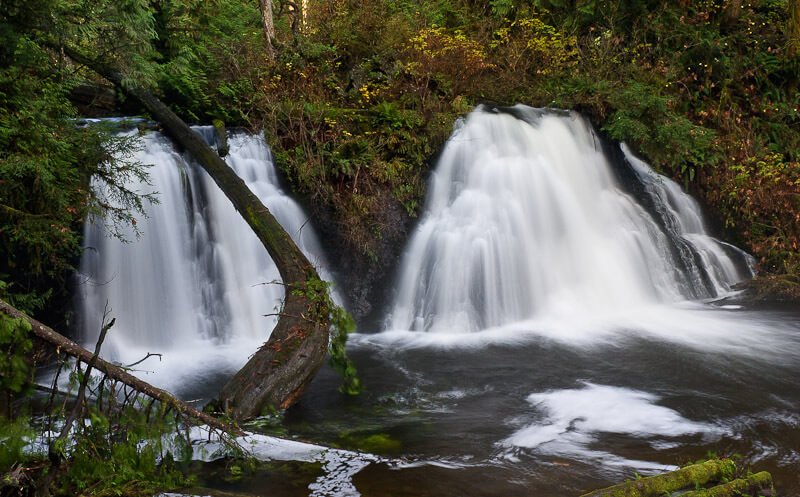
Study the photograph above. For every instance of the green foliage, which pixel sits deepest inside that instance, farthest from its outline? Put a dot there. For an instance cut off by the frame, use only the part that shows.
(342, 324)
(111, 200)
(501, 8)
(133, 454)
(41, 168)
(14, 436)
(210, 58)
(119, 32)
(646, 121)
(117, 445)
(443, 61)
(529, 45)
(27, 302)
(687, 85)
(361, 161)
(15, 346)
(762, 200)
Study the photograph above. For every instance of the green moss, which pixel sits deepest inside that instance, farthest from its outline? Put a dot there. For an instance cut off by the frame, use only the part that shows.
(375, 443)
(693, 476)
(322, 309)
(759, 482)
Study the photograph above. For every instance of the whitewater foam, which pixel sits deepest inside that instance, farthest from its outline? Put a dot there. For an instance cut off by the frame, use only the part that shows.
(571, 420)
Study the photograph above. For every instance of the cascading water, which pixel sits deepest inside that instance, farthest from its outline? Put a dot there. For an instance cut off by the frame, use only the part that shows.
(196, 286)
(526, 219)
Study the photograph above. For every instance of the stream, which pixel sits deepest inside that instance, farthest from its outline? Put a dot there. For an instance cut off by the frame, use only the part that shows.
(562, 320)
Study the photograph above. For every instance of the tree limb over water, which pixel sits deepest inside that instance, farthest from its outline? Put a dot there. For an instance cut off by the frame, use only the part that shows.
(49, 339)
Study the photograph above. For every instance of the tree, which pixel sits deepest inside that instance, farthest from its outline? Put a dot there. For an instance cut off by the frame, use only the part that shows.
(278, 373)
(793, 28)
(268, 25)
(138, 44)
(731, 11)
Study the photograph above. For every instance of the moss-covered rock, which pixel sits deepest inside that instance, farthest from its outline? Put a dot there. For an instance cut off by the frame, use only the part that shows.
(694, 476)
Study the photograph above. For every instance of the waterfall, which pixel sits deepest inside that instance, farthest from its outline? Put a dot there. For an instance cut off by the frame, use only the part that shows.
(526, 218)
(197, 284)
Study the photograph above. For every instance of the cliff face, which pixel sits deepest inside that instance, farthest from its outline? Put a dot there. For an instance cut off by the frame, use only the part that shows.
(366, 280)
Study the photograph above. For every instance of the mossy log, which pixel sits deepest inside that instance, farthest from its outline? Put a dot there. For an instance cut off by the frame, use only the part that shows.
(222, 137)
(759, 484)
(278, 373)
(47, 339)
(660, 485)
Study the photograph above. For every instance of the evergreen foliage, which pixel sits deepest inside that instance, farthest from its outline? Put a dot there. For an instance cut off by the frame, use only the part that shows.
(46, 162)
(15, 346)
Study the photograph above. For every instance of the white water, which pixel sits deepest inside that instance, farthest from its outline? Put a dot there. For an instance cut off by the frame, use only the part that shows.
(196, 286)
(525, 220)
(570, 421)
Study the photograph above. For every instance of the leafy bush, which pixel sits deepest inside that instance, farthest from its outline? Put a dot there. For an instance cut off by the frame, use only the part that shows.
(530, 46)
(762, 201)
(46, 162)
(14, 437)
(442, 61)
(131, 453)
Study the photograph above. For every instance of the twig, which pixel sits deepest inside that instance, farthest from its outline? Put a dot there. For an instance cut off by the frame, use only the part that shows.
(51, 390)
(53, 453)
(149, 355)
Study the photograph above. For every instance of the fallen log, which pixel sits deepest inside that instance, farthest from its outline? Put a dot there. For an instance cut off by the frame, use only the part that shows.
(660, 485)
(759, 484)
(55, 341)
(278, 373)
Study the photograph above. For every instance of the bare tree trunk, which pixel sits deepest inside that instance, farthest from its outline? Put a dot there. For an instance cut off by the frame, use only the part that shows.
(793, 29)
(303, 15)
(268, 25)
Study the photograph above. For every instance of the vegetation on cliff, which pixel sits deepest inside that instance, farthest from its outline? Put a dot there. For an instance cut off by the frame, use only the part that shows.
(356, 98)
(706, 91)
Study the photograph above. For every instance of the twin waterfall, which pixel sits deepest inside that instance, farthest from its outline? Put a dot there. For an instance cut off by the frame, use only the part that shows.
(526, 217)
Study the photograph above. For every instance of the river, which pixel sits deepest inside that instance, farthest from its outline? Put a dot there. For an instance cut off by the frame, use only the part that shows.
(562, 320)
